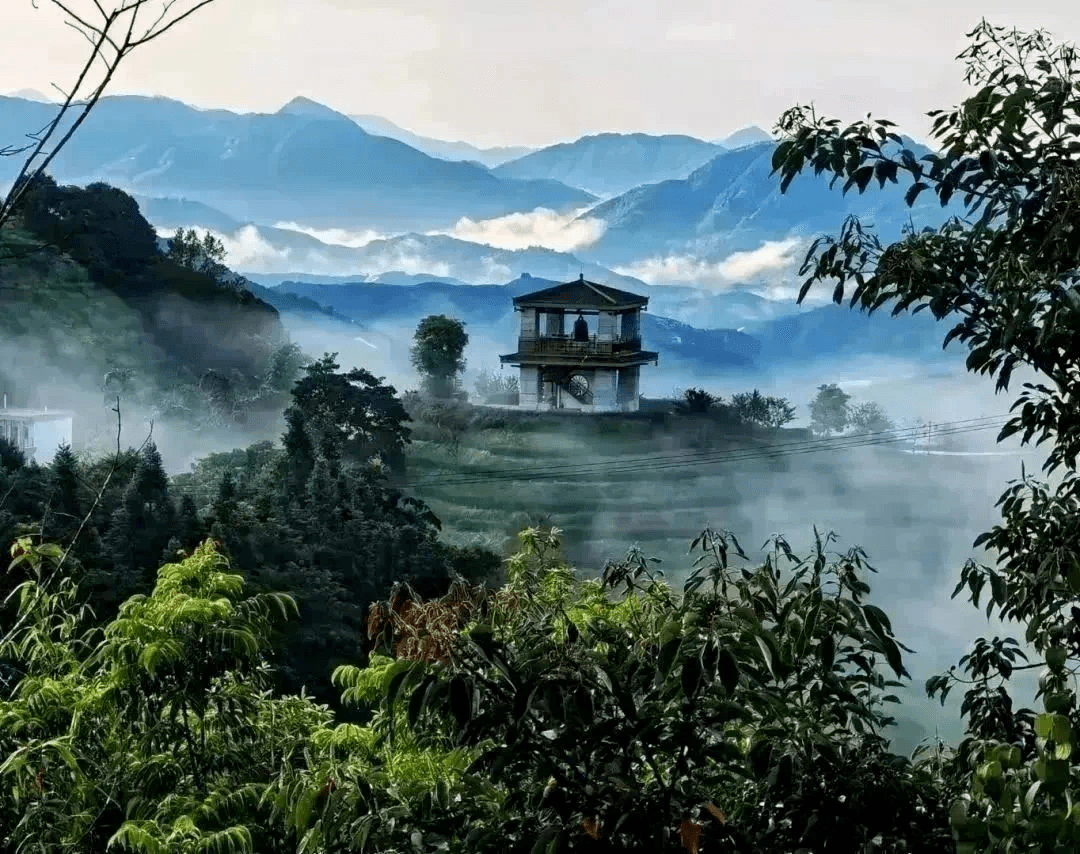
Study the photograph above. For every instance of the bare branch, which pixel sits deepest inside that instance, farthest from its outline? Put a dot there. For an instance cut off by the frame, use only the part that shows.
(100, 36)
(153, 35)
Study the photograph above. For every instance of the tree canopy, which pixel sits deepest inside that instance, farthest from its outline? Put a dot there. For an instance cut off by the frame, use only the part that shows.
(438, 352)
(1007, 273)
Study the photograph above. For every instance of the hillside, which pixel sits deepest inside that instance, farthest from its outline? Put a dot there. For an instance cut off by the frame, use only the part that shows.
(607, 164)
(83, 296)
(733, 203)
(303, 163)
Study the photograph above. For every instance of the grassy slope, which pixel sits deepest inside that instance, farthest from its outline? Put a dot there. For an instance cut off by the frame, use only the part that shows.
(51, 310)
(600, 514)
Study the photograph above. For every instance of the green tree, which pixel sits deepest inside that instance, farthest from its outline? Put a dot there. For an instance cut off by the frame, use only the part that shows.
(1007, 274)
(829, 410)
(438, 353)
(350, 414)
(204, 255)
(697, 401)
(153, 732)
(869, 418)
(765, 411)
(64, 509)
(615, 715)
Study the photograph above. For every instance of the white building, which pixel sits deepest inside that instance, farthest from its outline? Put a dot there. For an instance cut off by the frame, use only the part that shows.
(595, 367)
(38, 433)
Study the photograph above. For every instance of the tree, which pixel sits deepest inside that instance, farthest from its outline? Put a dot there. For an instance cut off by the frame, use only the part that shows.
(113, 33)
(1007, 274)
(491, 386)
(869, 418)
(765, 411)
(697, 401)
(65, 507)
(350, 414)
(437, 353)
(829, 409)
(202, 255)
(613, 714)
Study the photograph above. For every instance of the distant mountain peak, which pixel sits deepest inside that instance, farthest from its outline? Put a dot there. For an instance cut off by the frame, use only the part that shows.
(32, 95)
(302, 106)
(749, 135)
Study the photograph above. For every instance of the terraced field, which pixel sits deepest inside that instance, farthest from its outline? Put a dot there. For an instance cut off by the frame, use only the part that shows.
(916, 515)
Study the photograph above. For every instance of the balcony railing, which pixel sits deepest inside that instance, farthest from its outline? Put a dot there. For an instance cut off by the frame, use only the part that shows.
(565, 345)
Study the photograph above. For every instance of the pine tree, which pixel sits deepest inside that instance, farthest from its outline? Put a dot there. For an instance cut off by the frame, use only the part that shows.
(189, 527)
(65, 510)
(299, 459)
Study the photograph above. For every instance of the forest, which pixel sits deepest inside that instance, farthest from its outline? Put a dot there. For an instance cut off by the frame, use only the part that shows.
(277, 652)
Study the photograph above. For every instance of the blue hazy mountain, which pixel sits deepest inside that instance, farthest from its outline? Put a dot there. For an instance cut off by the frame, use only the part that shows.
(607, 164)
(733, 203)
(445, 149)
(304, 163)
(746, 136)
(825, 333)
(180, 212)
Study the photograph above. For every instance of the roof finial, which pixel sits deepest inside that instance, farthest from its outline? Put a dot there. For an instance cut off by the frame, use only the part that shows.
(581, 277)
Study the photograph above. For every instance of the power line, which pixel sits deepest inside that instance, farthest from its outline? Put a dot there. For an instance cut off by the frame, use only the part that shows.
(684, 459)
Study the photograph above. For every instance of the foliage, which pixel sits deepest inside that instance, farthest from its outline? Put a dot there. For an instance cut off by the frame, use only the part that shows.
(152, 733)
(188, 347)
(188, 250)
(494, 387)
(1008, 274)
(437, 352)
(829, 410)
(765, 411)
(350, 414)
(697, 401)
(649, 721)
(869, 418)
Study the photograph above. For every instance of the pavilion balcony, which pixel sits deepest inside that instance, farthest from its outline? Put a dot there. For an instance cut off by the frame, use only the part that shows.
(566, 345)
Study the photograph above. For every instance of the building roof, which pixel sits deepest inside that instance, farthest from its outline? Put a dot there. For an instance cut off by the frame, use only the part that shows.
(580, 294)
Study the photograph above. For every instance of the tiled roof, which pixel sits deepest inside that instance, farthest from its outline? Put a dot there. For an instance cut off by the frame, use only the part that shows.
(580, 294)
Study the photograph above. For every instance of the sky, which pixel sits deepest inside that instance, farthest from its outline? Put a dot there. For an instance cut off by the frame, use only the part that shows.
(535, 72)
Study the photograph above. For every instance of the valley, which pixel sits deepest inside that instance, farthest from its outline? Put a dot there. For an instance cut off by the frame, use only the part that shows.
(508, 452)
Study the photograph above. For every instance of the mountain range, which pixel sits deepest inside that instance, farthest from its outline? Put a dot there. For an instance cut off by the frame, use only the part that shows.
(608, 164)
(303, 163)
(445, 149)
(828, 332)
(733, 204)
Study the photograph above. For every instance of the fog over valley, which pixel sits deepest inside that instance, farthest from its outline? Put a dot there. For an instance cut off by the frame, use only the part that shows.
(689, 475)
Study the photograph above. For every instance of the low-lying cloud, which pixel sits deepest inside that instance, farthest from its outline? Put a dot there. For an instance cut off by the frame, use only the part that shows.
(247, 250)
(771, 270)
(542, 227)
(335, 236)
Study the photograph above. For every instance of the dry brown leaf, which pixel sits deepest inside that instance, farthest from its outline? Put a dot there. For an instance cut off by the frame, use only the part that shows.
(592, 827)
(690, 835)
(716, 812)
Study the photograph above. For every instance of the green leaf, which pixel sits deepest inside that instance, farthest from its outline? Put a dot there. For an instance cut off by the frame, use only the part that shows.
(727, 667)
(913, 192)
(667, 655)
(827, 651)
(766, 654)
(691, 676)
